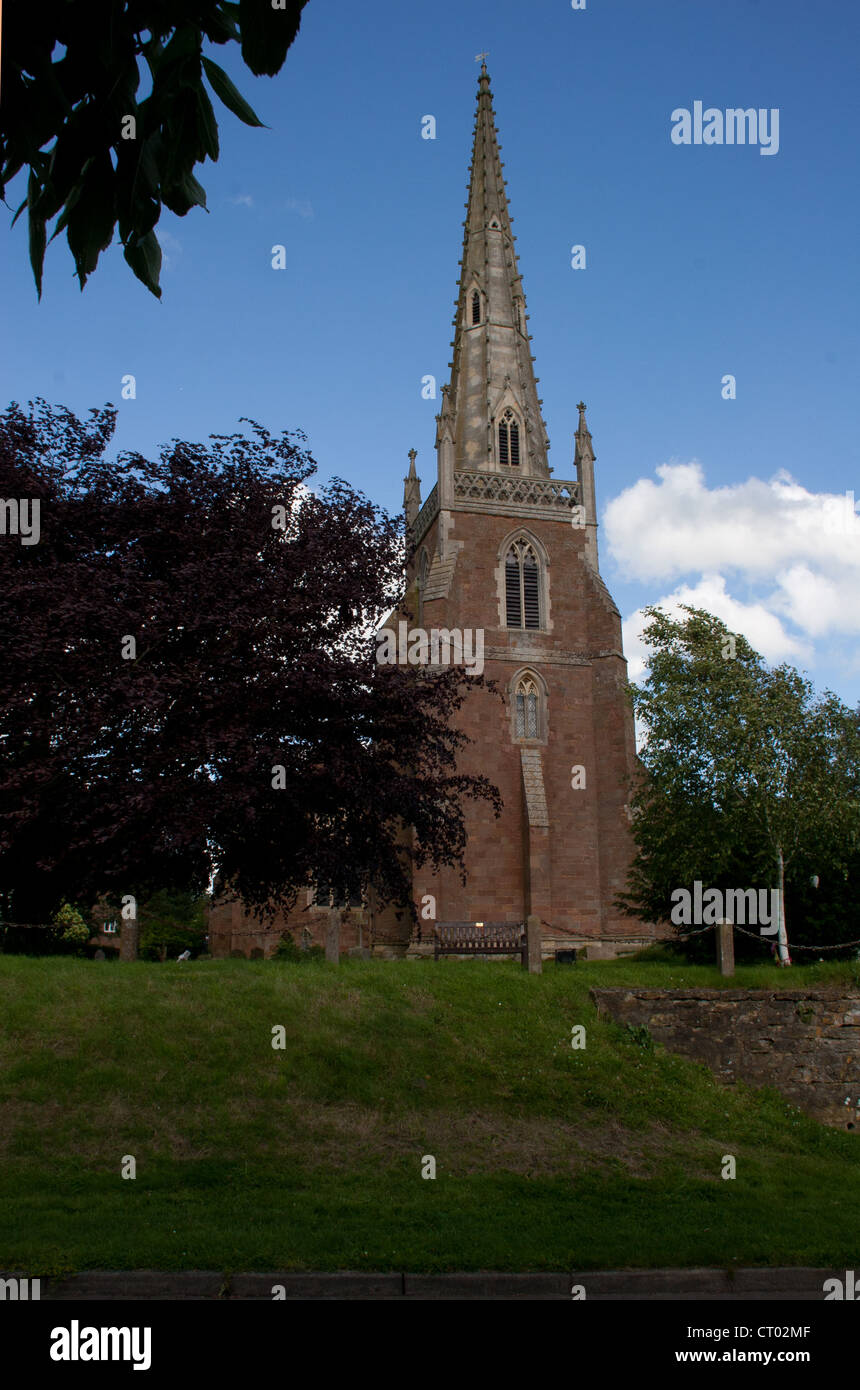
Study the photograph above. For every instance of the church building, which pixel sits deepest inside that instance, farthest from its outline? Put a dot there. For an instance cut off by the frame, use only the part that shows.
(502, 548)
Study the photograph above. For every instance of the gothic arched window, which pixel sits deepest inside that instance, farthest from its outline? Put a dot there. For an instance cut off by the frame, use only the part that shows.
(509, 441)
(476, 307)
(522, 586)
(527, 708)
(336, 895)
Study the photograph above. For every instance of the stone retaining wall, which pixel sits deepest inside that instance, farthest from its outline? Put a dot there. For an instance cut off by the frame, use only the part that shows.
(805, 1043)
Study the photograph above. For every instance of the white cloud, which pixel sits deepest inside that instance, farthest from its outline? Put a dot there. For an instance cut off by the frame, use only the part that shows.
(243, 199)
(679, 526)
(775, 561)
(817, 602)
(762, 628)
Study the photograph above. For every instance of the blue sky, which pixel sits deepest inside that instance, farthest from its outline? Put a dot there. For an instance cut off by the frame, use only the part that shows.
(702, 261)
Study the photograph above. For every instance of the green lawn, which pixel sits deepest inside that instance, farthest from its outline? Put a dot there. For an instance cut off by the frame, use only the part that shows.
(255, 1158)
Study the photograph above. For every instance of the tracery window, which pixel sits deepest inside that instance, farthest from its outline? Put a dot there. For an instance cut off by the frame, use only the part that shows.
(476, 307)
(527, 708)
(522, 586)
(509, 440)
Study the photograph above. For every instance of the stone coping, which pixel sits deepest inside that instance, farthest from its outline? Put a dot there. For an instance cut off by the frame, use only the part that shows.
(730, 992)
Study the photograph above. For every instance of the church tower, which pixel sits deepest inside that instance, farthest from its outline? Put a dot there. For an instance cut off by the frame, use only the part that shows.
(503, 547)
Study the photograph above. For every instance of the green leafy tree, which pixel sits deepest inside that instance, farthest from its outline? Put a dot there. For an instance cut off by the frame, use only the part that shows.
(748, 778)
(171, 923)
(98, 154)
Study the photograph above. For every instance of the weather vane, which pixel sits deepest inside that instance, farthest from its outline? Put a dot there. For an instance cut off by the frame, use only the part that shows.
(481, 57)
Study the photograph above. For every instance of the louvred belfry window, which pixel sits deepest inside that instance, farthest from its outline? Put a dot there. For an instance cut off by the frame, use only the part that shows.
(513, 594)
(476, 307)
(522, 586)
(528, 725)
(531, 592)
(509, 441)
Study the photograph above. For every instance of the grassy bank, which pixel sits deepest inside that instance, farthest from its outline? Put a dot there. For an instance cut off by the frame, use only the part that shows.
(311, 1156)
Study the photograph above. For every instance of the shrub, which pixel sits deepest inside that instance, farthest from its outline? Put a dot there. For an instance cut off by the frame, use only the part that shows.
(287, 949)
(74, 929)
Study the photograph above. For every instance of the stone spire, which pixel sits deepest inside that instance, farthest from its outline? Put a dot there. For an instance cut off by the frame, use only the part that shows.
(492, 371)
(583, 459)
(411, 491)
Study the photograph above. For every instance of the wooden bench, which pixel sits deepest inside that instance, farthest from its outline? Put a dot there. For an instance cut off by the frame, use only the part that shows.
(486, 939)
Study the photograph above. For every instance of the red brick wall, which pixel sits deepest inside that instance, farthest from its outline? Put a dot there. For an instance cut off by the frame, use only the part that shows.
(231, 928)
(581, 861)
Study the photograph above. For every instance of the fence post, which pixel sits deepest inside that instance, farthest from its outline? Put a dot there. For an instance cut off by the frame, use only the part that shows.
(332, 936)
(725, 948)
(129, 936)
(532, 953)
